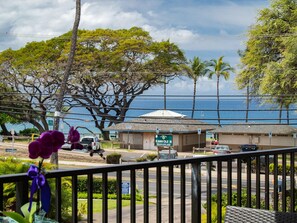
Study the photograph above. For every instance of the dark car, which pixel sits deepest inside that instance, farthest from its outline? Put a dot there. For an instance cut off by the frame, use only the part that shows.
(248, 148)
(251, 148)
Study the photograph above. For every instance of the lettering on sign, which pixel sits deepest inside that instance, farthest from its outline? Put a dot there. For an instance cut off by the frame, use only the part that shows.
(163, 140)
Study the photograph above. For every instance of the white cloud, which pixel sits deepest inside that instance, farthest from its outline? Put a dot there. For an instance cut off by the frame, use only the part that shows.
(196, 27)
(110, 15)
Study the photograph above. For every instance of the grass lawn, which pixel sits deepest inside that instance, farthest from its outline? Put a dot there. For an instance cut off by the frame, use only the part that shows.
(112, 204)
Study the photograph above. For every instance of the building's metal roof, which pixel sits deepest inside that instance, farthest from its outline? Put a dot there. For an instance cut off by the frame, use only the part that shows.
(163, 114)
(256, 128)
(149, 124)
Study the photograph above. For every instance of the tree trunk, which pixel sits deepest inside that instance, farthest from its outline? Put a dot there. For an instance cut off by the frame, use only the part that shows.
(4, 130)
(59, 105)
(280, 113)
(218, 100)
(165, 93)
(105, 135)
(194, 98)
(288, 115)
(247, 103)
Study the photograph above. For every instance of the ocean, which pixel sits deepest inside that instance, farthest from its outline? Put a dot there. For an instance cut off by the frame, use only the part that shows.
(232, 110)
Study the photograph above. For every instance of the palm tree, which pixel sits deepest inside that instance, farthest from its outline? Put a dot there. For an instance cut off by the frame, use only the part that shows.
(59, 103)
(219, 68)
(198, 69)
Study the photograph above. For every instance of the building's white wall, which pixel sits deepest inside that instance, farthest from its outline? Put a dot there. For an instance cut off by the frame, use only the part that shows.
(135, 139)
(193, 139)
(146, 140)
(281, 141)
(263, 140)
(149, 141)
(233, 139)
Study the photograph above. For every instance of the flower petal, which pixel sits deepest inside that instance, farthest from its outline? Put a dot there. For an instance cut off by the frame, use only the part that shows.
(46, 151)
(76, 146)
(46, 138)
(73, 135)
(58, 138)
(34, 149)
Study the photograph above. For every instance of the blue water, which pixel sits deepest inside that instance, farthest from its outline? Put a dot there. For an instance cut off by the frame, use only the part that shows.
(206, 112)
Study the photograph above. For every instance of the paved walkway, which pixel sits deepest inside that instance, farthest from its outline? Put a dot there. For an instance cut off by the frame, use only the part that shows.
(152, 213)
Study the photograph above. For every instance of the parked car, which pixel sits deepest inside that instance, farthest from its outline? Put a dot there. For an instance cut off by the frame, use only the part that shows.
(221, 149)
(66, 146)
(215, 142)
(248, 148)
(166, 154)
(90, 142)
(251, 148)
(71, 146)
(92, 145)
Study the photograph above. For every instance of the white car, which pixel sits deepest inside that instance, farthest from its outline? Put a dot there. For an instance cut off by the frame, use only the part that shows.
(66, 146)
(167, 154)
(90, 142)
(221, 149)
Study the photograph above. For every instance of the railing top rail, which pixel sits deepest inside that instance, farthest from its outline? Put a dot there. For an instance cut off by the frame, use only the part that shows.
(146, 165)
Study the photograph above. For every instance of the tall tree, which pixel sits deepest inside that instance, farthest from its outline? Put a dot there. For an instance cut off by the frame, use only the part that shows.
(198, 69)
(270, 48)
(111, 68)
(245, 85)
(219, 68)
(62, 90)
(126, 63)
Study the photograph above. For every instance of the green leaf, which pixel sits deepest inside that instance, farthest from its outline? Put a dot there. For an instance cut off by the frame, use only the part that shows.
(15, 216)
(28, 215)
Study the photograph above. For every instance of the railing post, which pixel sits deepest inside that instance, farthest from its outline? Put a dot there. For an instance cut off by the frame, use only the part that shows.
(58, 198)
(208, 189)
(196, 192)
(292, 182)
(1, 196)
(159, 195)
(22, 189)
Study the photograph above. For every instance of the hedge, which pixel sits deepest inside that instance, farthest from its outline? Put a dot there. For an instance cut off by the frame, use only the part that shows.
(82, 183)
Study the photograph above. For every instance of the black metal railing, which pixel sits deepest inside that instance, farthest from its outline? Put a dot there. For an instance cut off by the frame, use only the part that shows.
(182, 190)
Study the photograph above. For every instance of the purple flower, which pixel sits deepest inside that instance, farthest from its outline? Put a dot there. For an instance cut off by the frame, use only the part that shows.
(76, 146)
(34, 149)
(46, 144)
(58, 140)
(73, 135)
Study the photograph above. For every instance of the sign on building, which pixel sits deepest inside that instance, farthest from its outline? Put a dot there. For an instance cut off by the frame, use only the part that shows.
(50, 122)
(125, 188)
(163, 140)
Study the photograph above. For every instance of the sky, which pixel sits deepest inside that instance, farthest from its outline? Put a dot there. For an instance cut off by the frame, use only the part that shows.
(204, 28)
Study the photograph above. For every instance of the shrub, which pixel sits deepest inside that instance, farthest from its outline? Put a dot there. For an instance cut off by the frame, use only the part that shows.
(83, 195)
(113, 158)
(151, 156)
(280, 169)
(214, 198)
(82, 183)
(214, 214)
(141, 159)
(29, 131)
(13, 166)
